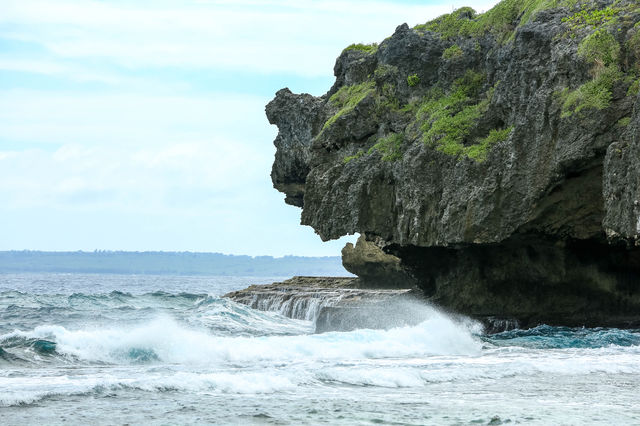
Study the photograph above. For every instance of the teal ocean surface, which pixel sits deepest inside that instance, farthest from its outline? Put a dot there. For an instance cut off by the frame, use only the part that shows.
(139, 349)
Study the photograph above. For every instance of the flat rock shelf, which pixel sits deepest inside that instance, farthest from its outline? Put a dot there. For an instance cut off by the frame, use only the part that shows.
(334, 303)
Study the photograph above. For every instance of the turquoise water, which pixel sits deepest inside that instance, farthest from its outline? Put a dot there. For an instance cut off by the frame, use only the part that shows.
(117, 349)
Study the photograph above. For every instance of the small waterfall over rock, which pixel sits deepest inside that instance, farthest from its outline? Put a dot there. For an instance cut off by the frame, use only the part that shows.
(303, 305)
(305, 297)
(337, 304)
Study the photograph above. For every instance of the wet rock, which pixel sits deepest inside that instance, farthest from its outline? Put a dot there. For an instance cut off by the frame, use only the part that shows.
(309, 298)
(374, 267)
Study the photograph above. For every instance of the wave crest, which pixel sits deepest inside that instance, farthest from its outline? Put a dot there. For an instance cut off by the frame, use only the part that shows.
(164, 339)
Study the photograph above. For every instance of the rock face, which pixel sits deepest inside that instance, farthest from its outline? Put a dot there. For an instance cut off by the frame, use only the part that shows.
(374, 267)
(494, 157)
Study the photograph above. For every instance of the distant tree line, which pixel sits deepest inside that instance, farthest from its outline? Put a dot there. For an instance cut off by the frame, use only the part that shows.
(168, 263)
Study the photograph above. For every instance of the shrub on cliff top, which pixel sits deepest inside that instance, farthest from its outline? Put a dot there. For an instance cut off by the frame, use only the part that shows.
(601, 49)
(367, 48)
(460, 21)
(501, 20)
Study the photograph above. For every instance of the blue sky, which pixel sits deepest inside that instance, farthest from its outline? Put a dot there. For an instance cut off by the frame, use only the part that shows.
(139, 125)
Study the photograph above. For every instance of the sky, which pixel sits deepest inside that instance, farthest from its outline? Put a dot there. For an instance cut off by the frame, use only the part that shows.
(139, 125)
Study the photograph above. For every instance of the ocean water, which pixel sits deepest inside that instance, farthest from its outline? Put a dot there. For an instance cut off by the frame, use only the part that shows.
(118, 349)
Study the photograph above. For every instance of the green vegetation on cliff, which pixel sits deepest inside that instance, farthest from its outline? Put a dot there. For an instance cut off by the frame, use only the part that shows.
(350, 158)
(453, 117)
(451, 52)
(501, 20)
(347, 98)
(367, 48)
(384, 71)
(448, 118)
(634, 89)
(600, 48)
(389, 147)
(595, 93)
(593, 17)
(480, 150)
(506, 16)
(624, 122)
(633, 44)
(602, 51)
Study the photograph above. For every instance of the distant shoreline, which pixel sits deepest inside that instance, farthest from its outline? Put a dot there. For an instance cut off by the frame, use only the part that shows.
(167, 263)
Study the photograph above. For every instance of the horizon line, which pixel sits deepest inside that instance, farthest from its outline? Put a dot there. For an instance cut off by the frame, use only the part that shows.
(99, 251)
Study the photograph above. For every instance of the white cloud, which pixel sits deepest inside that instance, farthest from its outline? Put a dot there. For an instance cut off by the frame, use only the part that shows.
(128, 118)
(195, 196)
(302, 36)
(196, 174)
(59, 68)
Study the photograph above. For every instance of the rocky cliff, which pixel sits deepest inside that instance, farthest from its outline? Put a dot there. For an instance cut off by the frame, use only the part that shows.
(492, 159)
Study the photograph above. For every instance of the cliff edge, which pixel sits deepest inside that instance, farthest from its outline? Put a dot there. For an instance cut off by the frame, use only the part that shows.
(493, 160)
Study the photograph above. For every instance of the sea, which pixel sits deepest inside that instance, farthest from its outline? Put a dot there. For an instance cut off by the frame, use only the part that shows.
(169, 350)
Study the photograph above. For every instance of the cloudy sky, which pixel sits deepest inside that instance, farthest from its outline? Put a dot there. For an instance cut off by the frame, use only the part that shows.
(139, 125)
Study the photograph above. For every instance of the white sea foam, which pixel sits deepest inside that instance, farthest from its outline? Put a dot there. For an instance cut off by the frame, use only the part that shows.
(490, 366)
(380, 377)
(291, 376)
(165, 340)
(26, 390)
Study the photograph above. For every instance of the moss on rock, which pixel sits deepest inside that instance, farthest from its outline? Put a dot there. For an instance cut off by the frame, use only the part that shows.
(389, 146)
(454, 51)
(350, 158)
(347, 98)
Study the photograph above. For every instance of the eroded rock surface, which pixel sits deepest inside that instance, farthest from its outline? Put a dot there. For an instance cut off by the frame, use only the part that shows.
(496, 156)
(374, 267)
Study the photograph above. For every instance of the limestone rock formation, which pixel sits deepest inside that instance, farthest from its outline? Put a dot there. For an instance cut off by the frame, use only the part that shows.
(496, 156)
(373, 266)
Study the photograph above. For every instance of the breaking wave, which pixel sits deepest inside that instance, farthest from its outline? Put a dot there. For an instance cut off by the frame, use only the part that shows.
(164, 339)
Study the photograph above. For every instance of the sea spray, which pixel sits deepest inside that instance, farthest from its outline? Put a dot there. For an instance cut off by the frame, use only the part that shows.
(164, 339)
(190, 357)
